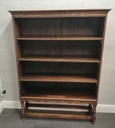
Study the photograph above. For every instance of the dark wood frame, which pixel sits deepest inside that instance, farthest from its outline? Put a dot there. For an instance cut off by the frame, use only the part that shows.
(49, 37)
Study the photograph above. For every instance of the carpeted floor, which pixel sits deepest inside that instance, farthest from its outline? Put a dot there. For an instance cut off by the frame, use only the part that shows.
(10, 118)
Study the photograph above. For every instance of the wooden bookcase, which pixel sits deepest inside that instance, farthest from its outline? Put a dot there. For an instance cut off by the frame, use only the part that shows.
(59, 57)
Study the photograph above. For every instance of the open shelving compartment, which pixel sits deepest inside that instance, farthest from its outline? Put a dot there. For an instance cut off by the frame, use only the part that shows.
(59, 56)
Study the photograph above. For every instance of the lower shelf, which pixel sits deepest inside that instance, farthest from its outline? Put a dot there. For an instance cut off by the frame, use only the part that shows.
(58, 95)
(54, 110)
(58, 111)
(86, 117)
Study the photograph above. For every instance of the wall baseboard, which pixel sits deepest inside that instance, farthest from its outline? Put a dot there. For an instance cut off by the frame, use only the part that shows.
(1, 107)
(16, 105)
(104, 108)
(11, 104)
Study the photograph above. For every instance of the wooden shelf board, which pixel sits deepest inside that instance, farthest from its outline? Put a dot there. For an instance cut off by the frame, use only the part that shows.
(59, 95)
(59, 13)
(39, 78)
(59, 38)
(58, 115)
(60, 59)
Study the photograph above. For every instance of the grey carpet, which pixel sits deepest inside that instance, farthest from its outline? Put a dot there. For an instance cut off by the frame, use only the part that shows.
(10, 118)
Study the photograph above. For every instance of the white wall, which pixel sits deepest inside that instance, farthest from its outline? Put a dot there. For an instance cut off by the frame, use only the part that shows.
(7, 54)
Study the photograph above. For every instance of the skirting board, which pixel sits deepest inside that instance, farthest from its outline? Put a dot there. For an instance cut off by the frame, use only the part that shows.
(16, 105)
(1, 107)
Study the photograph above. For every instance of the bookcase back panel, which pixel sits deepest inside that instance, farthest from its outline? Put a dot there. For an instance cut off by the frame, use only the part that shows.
(38, 48)
(59, 85)
(60, 48)
(36, 27)
(81, 48)
(61, 26)
(83, 26)
(47, 88)
(53, 68)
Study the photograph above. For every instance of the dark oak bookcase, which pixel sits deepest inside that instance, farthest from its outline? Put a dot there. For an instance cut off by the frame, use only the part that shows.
(59, 56)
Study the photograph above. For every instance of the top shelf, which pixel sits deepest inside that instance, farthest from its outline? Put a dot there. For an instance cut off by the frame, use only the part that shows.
(59, 13)
(59, 38)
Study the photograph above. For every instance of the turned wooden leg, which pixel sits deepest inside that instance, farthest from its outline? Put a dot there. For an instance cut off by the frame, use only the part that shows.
(23, 113)
(93, 118)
